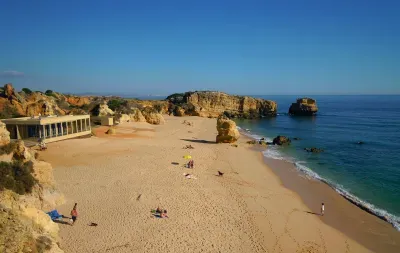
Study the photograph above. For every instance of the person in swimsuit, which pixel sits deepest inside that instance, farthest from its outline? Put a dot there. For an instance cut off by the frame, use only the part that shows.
(74, 214)
(322, 209)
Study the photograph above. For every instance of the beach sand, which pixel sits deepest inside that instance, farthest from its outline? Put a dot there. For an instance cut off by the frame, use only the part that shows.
(117, 180)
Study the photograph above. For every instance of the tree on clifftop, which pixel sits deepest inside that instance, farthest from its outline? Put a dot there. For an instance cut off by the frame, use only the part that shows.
(27, 91)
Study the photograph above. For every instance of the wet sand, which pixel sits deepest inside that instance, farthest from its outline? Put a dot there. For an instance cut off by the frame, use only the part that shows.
(369, 230)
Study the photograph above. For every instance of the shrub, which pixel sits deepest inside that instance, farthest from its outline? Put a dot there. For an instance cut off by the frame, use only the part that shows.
(27, 91)
(8, 148)
(50, 93)
(9, 112)
(16, 176)
(117, 104)
(158, 107)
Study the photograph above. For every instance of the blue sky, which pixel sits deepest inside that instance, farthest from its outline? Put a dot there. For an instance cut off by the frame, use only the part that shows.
(241, 47)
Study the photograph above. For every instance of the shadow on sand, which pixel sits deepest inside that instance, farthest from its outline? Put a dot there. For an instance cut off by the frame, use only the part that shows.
(175, 163)
(62, 222)
(199, 141)
(312, 213)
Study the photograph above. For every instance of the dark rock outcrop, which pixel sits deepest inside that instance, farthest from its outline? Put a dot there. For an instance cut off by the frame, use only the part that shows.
(304, 107)
(213, 103)
(314, 150)
(281, 140)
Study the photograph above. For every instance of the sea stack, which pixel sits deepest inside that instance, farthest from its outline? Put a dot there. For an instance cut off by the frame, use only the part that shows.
(227, 131)
(304, 107)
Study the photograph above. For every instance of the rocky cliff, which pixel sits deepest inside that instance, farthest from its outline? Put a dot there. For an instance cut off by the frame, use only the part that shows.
(29, 103)
(304, 107)
(27, 191)
(213, 104)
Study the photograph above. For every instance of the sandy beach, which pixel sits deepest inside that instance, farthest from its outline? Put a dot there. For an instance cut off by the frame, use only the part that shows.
(117, 180)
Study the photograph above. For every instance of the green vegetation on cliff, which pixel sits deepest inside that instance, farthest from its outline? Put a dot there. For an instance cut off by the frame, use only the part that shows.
(16, 176)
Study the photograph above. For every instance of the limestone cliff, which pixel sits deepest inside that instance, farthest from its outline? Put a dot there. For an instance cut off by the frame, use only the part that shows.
(24, 199)
(304, 107)
(214, 103)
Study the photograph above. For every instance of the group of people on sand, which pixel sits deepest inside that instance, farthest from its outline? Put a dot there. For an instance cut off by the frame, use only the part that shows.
(190, 164)
(160, 213)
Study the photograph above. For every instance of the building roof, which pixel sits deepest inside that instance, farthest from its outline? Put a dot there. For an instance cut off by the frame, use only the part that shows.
(43, 120)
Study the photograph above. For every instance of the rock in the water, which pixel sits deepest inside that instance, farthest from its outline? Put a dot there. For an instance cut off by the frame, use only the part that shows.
(227, 131)
(304, 107)
(360, 142)
(152, 116)
(314, 150)
(4, 135)
(252, 142)
(281, 140)
(296, 138)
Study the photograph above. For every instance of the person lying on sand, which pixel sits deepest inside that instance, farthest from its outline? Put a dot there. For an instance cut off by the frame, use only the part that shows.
(160, 213)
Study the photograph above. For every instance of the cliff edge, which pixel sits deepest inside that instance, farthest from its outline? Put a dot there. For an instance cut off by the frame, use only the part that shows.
(27, 192)
(214, 103)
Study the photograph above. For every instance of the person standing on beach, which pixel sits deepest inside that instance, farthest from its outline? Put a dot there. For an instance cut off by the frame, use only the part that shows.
(74, 214)
(322, 209)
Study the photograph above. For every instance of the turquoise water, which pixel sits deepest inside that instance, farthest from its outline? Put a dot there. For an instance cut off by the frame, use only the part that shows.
(367, 173)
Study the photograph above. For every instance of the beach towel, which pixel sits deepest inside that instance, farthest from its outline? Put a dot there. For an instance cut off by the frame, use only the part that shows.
(54, 215)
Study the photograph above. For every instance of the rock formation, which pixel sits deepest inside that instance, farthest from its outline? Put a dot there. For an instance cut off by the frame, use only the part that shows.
(111, 131)
(4, 135)
(102, 110)
(213, 104)
(227, 131)
(152, 116)
(314, 150)
(78, 101)
(24, 225)
(179, 111)
(304, 107)
(137, 115)
(281, 140)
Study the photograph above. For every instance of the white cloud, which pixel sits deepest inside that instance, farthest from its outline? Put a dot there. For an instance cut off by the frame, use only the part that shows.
(11, 73)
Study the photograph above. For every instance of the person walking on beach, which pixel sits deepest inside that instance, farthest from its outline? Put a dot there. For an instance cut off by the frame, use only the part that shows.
(74, 214)
(322, 209)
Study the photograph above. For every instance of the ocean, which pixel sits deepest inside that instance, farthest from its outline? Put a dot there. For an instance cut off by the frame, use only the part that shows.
(367, 173)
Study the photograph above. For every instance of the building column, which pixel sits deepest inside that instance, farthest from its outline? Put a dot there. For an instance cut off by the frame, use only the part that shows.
(50, 131)
(44, 132)
(40, 132)
(62, 129)
(18, 134)
(56, 124)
